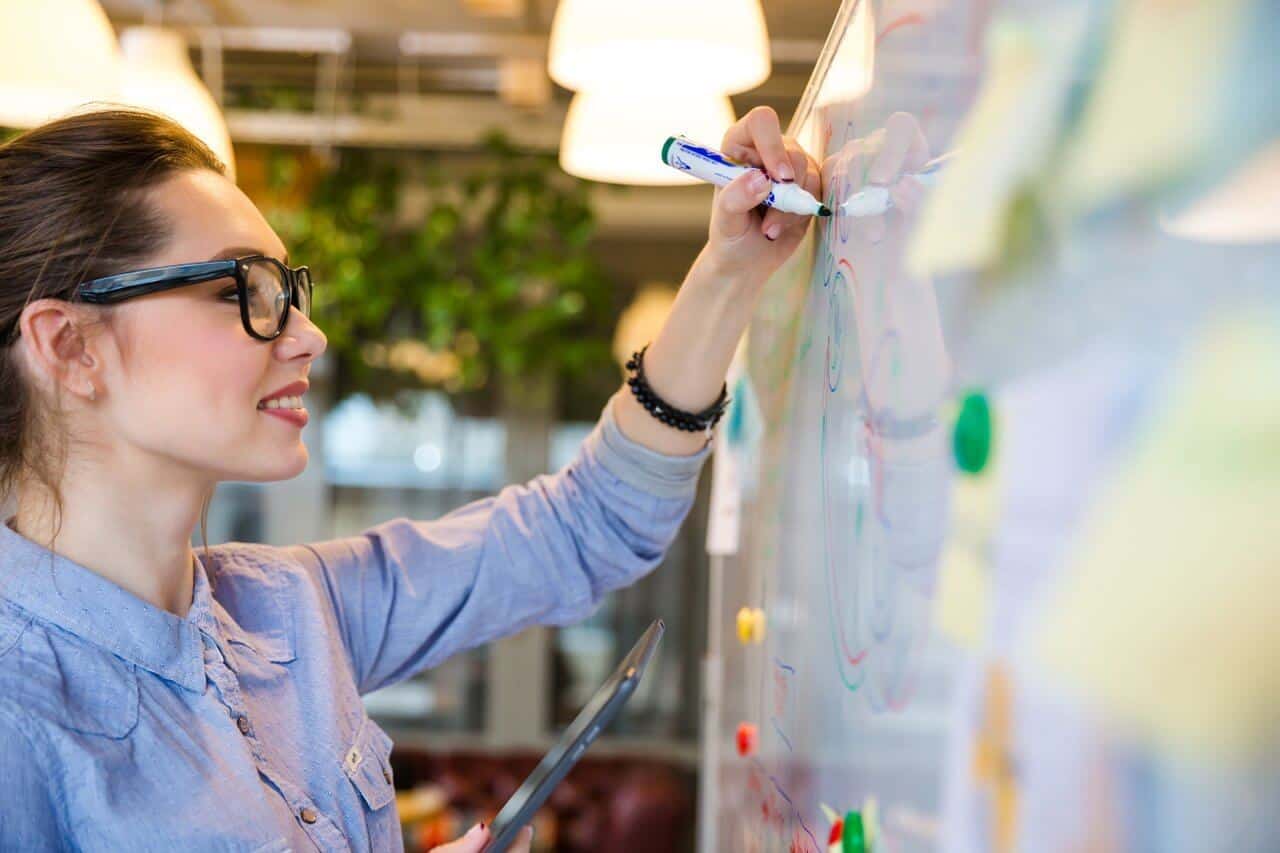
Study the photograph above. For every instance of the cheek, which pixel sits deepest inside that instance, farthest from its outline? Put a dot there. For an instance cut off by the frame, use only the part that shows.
(193, 384)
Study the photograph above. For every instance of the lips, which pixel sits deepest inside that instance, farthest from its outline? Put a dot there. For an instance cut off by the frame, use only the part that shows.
(286, 403)
(293, 389)
(297, 417)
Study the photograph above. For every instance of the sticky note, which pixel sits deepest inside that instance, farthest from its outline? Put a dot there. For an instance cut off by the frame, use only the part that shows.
(964, 590)
(1166, 618)
(961, 607)
(1153, 111)
(1004, 142)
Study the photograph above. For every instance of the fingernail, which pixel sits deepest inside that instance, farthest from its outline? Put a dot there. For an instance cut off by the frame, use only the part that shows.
(785, 173)
(759, 181)
(479, 827)
(773, 231)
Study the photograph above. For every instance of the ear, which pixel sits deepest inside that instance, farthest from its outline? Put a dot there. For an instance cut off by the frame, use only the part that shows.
(55, 336)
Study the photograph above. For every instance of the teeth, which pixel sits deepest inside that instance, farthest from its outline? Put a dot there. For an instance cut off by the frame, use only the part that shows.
(282, 403)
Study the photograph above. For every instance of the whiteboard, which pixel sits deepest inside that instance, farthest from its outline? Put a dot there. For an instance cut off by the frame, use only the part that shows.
(847, 502)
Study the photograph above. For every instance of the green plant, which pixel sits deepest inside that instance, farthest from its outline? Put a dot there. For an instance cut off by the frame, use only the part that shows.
(493, 280)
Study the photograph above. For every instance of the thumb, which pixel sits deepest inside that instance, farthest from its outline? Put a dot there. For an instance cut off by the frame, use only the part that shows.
(736, 202)
(473, 842)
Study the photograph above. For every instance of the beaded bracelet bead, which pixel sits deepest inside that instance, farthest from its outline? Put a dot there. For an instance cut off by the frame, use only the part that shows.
(668, 414)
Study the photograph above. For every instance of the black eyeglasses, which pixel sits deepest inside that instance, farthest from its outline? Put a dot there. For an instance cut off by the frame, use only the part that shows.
(266, 288)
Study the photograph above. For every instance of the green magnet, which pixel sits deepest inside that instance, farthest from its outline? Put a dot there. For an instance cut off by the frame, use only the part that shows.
(854, 838)
(972, 440)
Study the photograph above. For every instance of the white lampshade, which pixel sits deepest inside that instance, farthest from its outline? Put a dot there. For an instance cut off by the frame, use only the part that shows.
(1245, 208)
(714, 45)
(54, 56)
(157, 75)
(617, 136)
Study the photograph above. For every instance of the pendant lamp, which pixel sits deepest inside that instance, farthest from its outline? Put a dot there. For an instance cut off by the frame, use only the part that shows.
(709, 45)
(157, 75)
(617, 136)
(55, 55)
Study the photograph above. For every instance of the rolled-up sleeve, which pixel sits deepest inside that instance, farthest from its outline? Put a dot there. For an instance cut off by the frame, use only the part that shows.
(408, 594)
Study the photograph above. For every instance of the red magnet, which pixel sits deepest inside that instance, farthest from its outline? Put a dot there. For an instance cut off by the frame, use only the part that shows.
(837, 832)
(748, 737)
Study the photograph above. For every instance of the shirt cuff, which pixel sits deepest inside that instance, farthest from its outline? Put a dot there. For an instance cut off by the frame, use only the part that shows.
(638, 466)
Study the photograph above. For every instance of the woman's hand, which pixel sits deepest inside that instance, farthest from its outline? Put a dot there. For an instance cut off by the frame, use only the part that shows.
(478, 836)
(686, 363)
(742, 240)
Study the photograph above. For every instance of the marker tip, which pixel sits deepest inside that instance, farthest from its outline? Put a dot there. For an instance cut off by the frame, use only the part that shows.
(823, 210)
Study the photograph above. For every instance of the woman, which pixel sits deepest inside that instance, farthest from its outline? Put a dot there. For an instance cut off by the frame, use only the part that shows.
(153, 698)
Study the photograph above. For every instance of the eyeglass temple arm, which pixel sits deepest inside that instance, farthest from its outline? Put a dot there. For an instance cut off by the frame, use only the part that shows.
(113, 288)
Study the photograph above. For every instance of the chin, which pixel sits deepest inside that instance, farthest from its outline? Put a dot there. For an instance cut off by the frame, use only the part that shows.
(286, 468)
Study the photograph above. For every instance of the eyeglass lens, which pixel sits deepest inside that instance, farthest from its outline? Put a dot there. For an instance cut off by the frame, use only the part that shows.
(268, 293)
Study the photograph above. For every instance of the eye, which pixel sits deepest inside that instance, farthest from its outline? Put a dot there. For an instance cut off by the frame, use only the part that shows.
(229, 294)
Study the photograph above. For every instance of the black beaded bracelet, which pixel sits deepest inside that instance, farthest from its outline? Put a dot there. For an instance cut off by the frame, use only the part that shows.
(668, 414)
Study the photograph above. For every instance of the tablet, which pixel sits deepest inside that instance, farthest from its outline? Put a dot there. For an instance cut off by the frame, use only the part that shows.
(595, 715)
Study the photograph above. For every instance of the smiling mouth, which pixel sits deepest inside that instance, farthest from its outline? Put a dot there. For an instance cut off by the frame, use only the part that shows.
(281, 403)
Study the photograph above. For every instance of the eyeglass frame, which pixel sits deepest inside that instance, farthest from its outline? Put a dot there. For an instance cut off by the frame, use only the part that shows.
(110, 289)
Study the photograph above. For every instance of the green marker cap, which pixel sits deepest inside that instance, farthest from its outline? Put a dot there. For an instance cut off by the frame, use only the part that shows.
(973, 433)
(666, 146)
(854, 838)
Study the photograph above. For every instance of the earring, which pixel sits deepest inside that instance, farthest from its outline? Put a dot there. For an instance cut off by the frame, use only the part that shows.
(93, 392)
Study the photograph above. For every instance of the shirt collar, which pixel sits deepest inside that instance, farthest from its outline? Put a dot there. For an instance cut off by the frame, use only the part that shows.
(64, 593)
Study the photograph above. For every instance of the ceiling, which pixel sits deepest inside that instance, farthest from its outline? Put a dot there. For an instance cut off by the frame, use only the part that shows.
(788, 19)
(471, 44)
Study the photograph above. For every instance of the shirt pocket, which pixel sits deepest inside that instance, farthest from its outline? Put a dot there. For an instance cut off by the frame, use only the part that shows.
(367, 764)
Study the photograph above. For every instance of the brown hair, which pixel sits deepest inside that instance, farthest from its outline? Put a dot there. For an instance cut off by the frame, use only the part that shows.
(73, 208)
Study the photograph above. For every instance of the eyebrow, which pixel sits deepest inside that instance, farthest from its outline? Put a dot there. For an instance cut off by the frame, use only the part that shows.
(241, 251)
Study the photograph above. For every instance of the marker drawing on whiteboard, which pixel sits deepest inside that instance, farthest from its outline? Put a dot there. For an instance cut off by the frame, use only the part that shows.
(708, 164)
(874, 200)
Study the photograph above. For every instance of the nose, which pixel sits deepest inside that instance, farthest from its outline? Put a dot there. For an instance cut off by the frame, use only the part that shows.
(301, 339)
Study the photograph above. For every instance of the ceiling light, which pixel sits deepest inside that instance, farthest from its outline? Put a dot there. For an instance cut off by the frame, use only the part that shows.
(618, 136)
(54, 56)
(712, 45)
(157, 75)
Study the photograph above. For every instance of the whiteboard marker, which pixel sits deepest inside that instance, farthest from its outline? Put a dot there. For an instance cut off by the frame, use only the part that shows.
(708, 164)
(875, 200)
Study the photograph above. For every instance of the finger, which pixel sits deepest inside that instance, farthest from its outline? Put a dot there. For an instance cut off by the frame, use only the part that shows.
(812, 180)
(736, 203)
(473, 842)
(745, 192)
(742, 154)
(760, 131)
(774, 222)
(904, 148)
(906, 194)
(798, 158)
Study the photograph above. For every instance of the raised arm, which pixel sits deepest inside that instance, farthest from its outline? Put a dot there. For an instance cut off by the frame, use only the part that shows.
(408, 594)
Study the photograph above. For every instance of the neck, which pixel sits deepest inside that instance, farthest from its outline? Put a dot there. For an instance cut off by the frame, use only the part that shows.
(131, 533)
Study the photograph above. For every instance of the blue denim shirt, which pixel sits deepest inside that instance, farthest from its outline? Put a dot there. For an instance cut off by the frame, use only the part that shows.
(240, 727)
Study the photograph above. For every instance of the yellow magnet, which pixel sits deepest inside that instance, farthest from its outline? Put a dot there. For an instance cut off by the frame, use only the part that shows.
(751, 625)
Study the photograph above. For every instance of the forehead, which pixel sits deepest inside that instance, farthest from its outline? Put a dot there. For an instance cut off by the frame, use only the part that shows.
(207, 213)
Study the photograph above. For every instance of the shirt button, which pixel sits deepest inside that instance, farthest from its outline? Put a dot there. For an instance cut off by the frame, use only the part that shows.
(308, 815)
(242, 723)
